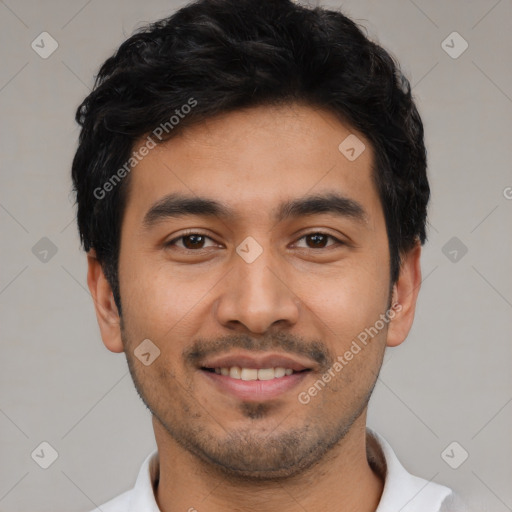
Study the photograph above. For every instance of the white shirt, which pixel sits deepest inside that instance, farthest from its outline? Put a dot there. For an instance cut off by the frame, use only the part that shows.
(402, 491)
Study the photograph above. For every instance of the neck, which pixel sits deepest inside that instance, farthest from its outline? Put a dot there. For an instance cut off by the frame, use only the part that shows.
(343, 480)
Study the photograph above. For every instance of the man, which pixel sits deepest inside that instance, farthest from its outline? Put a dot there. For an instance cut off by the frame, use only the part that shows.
(252, 196)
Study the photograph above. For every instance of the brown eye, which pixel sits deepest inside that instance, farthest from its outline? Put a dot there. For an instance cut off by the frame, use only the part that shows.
(190, 241)
(193, 241)
(318, 240)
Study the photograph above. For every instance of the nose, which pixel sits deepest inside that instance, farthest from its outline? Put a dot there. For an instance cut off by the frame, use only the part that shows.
(257, 295)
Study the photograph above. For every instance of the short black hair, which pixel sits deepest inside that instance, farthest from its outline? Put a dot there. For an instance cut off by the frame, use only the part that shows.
(217, 56)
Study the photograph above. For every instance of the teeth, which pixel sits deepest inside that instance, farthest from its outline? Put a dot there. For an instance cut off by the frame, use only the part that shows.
(266, 374)
(235, 372)
(279, 372)
(249, 374)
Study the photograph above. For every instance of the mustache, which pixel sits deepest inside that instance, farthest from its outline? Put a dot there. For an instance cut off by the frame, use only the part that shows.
(284, 342)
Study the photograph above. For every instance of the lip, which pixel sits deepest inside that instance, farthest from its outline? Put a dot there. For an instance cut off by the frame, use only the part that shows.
(258, 361)
(254, 390)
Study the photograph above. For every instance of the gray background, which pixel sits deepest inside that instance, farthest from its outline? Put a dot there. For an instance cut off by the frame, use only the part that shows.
(450, 381)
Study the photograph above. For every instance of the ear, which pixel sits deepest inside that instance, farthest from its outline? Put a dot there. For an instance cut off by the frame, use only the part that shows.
(106, 309)
(405, 294)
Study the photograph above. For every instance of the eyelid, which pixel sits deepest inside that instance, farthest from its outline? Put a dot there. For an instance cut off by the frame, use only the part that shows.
(185, 234)
(189, 232)
(337, 240)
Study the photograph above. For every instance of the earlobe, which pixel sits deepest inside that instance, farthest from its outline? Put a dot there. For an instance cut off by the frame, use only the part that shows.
(104, 304)
(404, 297)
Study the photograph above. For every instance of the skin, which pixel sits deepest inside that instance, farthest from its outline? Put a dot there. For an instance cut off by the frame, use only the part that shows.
(218, 452)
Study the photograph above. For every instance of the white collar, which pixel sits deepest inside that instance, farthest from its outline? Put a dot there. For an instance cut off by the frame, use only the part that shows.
(402, 491)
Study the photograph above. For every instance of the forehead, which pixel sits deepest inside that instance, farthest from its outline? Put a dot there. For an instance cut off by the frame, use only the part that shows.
(251, 159)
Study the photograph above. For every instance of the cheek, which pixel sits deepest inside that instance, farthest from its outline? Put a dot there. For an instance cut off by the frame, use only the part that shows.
(349, 300)
(352, 327)
(161, 302)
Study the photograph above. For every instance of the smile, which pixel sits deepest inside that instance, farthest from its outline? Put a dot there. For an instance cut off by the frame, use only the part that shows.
(235, 372)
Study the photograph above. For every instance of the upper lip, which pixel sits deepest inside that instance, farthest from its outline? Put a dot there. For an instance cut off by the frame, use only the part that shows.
(257, 361)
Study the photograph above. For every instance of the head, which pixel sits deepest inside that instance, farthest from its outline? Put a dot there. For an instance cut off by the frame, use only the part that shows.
(251, 179)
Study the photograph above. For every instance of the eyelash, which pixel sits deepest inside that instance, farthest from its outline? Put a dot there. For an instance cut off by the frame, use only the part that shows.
(184, 235)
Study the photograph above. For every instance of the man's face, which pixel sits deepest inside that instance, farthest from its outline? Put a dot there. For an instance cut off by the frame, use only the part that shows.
(255, 289)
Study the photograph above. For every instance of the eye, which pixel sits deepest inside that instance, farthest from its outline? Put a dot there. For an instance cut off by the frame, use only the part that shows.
(196, 241)
(319, 240)
(190, 241)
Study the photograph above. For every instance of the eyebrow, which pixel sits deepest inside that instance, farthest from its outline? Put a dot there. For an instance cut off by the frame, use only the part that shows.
(178, 205)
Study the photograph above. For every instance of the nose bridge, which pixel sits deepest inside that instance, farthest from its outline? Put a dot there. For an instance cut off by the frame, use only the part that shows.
(256, 295)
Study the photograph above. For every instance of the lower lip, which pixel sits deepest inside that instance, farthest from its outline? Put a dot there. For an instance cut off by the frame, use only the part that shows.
(255, 390)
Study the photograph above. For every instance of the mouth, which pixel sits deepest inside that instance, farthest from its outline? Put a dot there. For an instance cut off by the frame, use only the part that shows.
(255, 378)
(235, 372)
